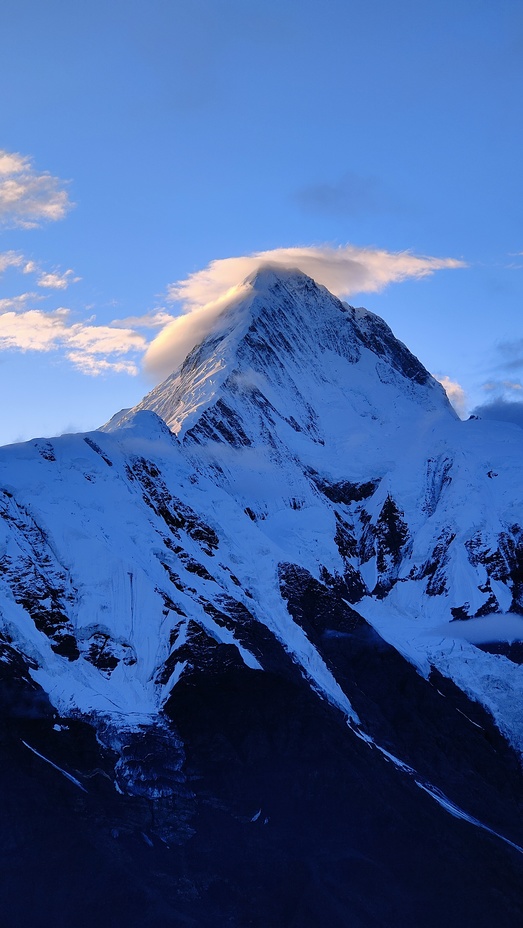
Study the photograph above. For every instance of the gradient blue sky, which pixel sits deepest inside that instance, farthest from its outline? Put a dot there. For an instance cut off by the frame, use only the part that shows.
(189, 132)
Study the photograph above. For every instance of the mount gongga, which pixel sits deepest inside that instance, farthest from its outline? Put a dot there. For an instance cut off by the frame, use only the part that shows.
(259, 642)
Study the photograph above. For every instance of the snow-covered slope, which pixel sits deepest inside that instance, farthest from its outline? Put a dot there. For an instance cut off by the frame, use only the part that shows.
(249, 619)
(348, 457)
(303, 443)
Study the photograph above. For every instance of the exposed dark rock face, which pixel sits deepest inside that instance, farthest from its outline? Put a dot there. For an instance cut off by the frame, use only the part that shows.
(313, 605)
(503, 563)
(434, 568)
(176, 514)
(98, 647)
(391, 539)
(438, 478)
(96, 448)
(260, 807)
(45, 449)
(376, 335)
(38, 582)
(344, 491)
(220, 423)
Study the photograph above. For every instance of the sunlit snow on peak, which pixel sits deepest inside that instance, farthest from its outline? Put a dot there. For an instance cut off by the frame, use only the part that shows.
(345, 271)
(170, 348)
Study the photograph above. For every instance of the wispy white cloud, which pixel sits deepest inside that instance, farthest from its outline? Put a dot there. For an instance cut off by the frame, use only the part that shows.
(103, 339)
(455, 393)
(172, 345)
(502, 386)
(152, 320)
(48, 280)
(94, 366)
(18, 302)
(514, 265)
(10, 259)
(90, 347)
(93, 349)
(345, 271)
(12, 163)
(54, 280)
(120, 345)
(32, 330)
(29, 198)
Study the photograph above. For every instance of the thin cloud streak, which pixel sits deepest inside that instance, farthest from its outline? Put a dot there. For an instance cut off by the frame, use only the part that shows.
(502, 386)
(152, 320)
(94, 366)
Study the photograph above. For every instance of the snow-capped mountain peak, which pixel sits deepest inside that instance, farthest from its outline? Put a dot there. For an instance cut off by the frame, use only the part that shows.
(286, 354)
(291, 545)
(299, 435)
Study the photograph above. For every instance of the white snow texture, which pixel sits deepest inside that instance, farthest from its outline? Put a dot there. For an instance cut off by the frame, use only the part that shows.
(296, 415)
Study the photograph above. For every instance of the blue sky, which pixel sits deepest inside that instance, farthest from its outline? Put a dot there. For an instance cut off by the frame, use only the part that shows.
(143, 141)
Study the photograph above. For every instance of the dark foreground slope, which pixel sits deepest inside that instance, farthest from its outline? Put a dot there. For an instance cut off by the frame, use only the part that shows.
(280, 816)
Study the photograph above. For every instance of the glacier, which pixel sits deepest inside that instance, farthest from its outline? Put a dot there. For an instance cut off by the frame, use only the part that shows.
(300, 432)
(297, 509)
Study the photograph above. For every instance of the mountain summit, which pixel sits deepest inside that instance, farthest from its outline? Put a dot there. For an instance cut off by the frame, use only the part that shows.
(285, 347)
(271, 613)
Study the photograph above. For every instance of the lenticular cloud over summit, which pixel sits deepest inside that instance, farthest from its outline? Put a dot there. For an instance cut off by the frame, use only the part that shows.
(345, 271)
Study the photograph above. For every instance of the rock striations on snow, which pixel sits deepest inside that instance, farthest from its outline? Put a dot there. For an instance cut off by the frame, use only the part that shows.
(297, 503)
(306, 434)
